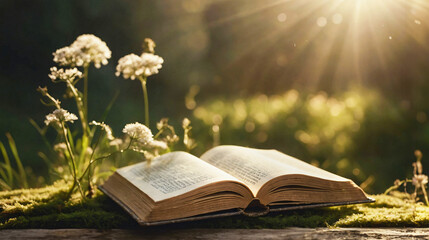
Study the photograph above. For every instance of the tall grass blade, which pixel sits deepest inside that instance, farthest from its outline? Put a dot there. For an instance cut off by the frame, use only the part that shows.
(42, 132)
(45, 159)
(109, 107)
(106, 112)
(4, 186)
(2, 173)
(7, 165)
(21, 170)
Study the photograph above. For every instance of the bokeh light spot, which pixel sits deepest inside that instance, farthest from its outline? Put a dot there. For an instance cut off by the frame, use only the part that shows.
(337, 18)
(356, 171)
(217, 119)
(282, 17)
(322, 21)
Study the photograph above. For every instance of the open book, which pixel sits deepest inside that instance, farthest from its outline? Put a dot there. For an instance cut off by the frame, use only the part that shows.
(224, 181)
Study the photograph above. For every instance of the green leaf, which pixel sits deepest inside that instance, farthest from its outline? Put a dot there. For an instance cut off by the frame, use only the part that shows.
(109, 107)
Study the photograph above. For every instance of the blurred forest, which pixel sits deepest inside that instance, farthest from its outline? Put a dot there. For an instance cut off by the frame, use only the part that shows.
(340, 84)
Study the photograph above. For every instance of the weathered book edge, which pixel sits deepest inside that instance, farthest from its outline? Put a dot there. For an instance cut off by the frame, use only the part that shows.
(228, 213)
(316, 205)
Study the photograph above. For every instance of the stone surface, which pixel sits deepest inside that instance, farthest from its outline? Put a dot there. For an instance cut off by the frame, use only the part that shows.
(153, 234)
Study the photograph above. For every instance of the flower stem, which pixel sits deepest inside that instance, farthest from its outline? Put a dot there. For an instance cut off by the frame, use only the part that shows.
(74, 172)
(103, 157)
(81, 109)
(90, 158)
(85, 91)
(425, 194)
(146, 101)
(85, 130)
(394, 187)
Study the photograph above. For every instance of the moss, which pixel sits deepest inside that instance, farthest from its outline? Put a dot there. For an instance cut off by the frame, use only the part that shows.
(388, 211)
(45, 208)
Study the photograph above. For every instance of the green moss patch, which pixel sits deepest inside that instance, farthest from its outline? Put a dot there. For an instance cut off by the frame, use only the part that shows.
(45, 208)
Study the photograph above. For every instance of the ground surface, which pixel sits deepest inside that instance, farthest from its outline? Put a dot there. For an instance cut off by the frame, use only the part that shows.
(288, 233)
(43, 208)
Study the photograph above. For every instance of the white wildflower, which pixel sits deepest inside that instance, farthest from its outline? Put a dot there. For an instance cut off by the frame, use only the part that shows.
(104, 127)
(65, 75)
(152, 63)
(60, 115)
(66, 56)
(86, 49)
(133, 66)
(138, 131)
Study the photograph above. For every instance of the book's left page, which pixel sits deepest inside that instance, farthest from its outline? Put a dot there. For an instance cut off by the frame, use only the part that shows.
(173, 174)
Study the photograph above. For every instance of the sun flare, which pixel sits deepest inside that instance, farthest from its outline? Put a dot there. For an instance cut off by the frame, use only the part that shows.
(343, 41)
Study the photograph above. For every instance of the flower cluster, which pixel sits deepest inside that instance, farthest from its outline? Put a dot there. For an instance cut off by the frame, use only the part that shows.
(60, 115)
(133, 66)
(85, 49)
(139, 132)
(65, 75)
(152, 63)
(81, 153)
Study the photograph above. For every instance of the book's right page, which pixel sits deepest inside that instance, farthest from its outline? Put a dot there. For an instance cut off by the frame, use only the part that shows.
(255, 167)
(295, 163)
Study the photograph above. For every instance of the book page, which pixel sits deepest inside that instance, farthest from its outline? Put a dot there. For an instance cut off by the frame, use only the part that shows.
(172, 174)
(307, 168)
(256, 167)
(246, 164)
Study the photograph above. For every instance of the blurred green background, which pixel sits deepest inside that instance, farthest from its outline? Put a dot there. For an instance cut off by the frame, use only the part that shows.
(340, 84)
